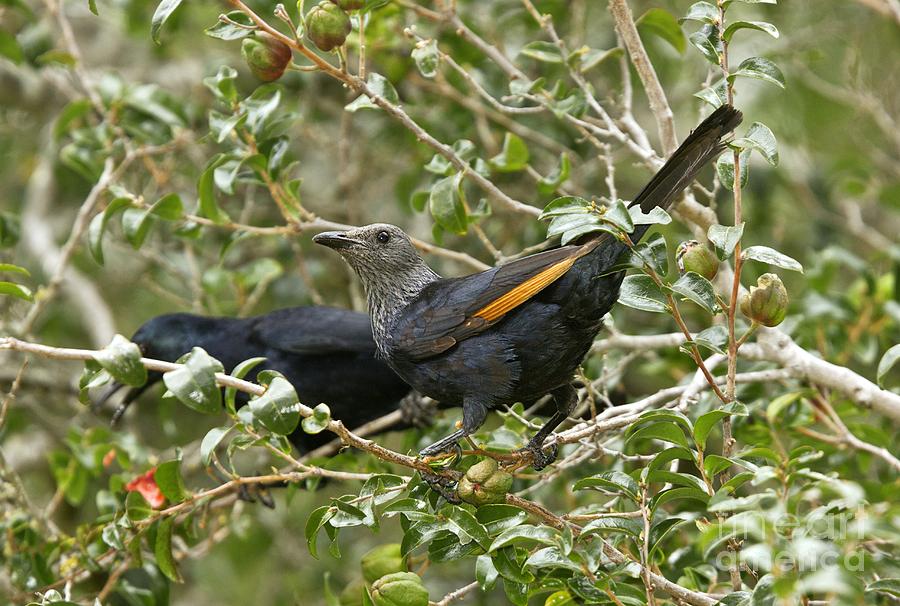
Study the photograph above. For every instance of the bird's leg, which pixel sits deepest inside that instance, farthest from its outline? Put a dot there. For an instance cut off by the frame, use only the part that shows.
(474, 414)
(565, 398)
(444, 444)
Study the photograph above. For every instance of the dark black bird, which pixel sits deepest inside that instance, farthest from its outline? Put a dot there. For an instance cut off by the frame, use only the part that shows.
(512, 333)
(326, 353)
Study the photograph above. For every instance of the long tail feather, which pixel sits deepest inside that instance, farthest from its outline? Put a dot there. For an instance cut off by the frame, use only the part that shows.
(701, 146)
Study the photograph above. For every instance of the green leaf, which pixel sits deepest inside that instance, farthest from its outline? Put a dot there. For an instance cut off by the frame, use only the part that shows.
(698, 289)
(725, 238)
(318, 421)
(194, 383)
(614, 524)
(98, 226)
(725, 169)
(277, 408)
(136, 507)
(209, 207)
(9, 47)
(737, 598)
(122, 359)
(665, 431)
(485, 572)
(652, 252)
(16, 290)
(524, 534)
(705, 422)
(640, 292)
(240, 371)
(381, 87)
(559, 175)
(617, 214)
(760, 138)
(317, 519)
(707, 41)
(704, 12)
(565, 205)
(14, 269)
(660, 22)
(163, 11)
(888, 360)
(168, 478)
(71, 112)
(222, 84)
(679, 493)
(772, 257)
(889, 587)
(446, 204)
(715, 464)
(713, 338)
(611, 482)
(427, 58)
(223, 30)
(498, 517)
(162, 549)
(761, 26)
(656, 216)
(716, 95)
(777, 406)
(210, 442)
(512, 157)
(759, 68)
(661, 530)
(168, 208)
(595, 56)
(540, 50)
(136, 223)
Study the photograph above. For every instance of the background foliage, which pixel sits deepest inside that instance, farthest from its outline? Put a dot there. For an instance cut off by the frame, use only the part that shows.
(142, 178)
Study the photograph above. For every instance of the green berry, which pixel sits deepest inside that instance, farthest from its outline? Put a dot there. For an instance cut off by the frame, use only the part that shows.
(327, 25)
(382, 560)
(399, 589)
(767, 302)
(266, 56)
(484, 483)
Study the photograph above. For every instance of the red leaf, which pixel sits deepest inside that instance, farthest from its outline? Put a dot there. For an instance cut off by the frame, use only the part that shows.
(109, 457)
(146, 485)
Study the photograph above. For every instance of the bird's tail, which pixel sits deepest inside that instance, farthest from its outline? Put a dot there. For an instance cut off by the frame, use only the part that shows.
(701, 146)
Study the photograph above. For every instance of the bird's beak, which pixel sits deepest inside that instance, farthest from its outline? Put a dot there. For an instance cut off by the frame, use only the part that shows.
(336, 240)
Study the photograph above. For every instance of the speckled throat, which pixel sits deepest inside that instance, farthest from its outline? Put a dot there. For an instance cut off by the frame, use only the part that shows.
(388, 294)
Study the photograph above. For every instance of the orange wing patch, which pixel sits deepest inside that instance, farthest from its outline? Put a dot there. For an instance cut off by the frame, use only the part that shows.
(500, 306)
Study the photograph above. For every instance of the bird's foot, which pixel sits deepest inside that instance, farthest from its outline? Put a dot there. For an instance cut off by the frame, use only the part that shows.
(430, 455)
(539, 458)
(443, 486)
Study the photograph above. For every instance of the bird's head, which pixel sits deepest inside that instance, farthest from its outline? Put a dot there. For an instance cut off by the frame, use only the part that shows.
(373, 250)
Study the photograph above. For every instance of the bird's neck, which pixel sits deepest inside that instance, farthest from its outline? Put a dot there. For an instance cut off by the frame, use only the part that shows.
(388, 297)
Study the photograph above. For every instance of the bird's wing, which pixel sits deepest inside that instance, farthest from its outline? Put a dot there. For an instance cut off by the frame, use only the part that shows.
(315, 330)
(448, 311)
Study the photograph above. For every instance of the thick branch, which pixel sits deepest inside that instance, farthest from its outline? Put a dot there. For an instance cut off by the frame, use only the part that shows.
(776, 346)
(655, 94)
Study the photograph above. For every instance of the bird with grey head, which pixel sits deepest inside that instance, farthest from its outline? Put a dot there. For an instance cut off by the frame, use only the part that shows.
(512, 333)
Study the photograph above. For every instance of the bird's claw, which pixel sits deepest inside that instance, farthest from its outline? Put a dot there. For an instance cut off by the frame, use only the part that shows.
(539, 458)
(432, 458)
(443, 486)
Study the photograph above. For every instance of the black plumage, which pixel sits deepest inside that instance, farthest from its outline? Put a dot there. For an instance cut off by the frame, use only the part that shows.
(512, 333)
(326, 353)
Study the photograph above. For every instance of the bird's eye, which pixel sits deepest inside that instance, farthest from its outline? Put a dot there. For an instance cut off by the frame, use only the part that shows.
(383, 237)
